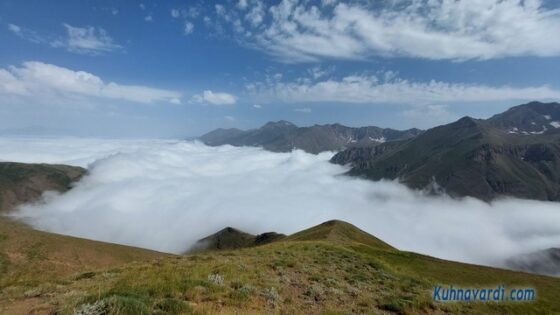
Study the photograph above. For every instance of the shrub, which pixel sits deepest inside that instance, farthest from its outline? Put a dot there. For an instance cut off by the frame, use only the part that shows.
(270, 295)
(216, 279)
(315, 292)
(171, 306)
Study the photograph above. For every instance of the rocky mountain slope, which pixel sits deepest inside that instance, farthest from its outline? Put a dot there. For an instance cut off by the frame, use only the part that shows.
(501, 156)
(231, 238)
(283, 136)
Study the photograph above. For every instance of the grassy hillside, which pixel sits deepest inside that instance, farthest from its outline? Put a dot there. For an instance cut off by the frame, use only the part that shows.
(333, 268)
(30, 258)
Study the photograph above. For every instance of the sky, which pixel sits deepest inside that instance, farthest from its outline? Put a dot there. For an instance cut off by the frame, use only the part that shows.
(174, 69)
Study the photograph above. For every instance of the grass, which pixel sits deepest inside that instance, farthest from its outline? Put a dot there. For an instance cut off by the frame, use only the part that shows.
(333, 268)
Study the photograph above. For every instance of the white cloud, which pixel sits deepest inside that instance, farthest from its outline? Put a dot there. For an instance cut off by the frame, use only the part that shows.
(114, 11)
(41, 80)
(299, 31)
(189, 28)
(370, 89)
(257, 106)
(86, 40)
(175, 13)
(216, 98)
(142, 6)
(229, 118)
(242, 4)
(26, 34)
(167, 194)
(14, 28)
(303, 110)
(148, 18)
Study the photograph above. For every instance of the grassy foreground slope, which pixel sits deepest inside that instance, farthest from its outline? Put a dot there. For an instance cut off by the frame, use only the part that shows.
(31, 259)
(333, 268)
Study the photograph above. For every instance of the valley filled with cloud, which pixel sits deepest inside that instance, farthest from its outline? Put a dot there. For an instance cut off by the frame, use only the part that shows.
(166, 194)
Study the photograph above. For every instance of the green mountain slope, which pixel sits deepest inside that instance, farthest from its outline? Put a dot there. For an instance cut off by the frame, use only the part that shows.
(469, 157)
(333, 268)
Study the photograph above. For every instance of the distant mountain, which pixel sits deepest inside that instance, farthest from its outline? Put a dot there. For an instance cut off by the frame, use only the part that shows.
(231, 238)
(20, 183)
(545, 262)
(500, 156)
(283, 136)
(532, 118)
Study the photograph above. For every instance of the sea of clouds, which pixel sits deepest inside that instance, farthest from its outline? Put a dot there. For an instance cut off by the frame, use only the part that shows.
(164, 195)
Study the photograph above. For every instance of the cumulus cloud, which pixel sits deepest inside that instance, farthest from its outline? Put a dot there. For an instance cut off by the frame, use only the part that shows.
(39, 80)
(215, 98)
(165, 195)
(301, 31)
(388, 88)
(86, 40)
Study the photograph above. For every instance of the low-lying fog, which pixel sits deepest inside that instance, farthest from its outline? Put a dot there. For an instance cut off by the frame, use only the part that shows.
(165, 195)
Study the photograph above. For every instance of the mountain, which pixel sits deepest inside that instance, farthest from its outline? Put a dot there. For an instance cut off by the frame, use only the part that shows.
(332, 268)
(283, 136)
(546, 262)
(20, 183)
(531, 118)
(473, 157)
(231, 238)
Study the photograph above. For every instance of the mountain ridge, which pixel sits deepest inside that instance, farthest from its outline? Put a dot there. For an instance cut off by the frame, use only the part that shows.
(284, 136)
(471, 157)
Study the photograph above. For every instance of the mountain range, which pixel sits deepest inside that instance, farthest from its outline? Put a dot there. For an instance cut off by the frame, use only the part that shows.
(283, 136)
(515, 153)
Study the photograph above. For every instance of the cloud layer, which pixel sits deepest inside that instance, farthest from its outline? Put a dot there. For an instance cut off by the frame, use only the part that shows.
(302, 31)
(167, 194)
(47, 81)
(389, 89)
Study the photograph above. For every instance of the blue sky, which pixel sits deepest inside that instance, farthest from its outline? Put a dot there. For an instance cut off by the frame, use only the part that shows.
(181, 68)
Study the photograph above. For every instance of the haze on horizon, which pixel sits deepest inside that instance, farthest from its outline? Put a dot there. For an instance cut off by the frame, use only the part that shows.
(76, 69)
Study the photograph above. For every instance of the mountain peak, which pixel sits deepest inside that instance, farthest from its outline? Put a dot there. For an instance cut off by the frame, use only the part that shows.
(340, 231)
(280, 123)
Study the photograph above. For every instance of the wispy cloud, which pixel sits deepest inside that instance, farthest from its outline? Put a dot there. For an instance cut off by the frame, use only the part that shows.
(189, 28)
(388, 88)
(27, 34)
(304, 110)
(86, 40)
(302, 31)
(215, 98)
(42, 81)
